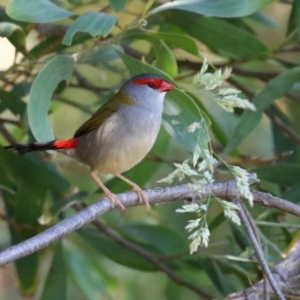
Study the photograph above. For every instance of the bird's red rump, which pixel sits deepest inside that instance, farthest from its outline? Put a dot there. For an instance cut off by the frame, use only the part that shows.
(66, 144)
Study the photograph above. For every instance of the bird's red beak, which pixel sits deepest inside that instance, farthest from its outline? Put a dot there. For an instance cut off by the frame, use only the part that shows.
(166, 86)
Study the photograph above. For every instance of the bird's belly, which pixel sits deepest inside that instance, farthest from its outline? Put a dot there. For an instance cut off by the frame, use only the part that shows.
(122, 155)
(117, 146)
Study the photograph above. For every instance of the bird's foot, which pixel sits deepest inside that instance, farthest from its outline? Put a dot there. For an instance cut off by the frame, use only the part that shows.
(115, 199)
(143, 198)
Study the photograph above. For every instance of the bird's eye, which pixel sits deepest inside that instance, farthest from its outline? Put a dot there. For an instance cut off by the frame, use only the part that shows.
(151, 85)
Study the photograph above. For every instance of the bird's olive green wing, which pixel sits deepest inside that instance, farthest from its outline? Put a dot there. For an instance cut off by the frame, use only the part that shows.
(104, 112)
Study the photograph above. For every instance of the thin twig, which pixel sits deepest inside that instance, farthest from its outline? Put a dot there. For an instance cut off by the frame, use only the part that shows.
(283, 126)
(73, 103)
(249, 224)
(11, 222)
(84, 83)
(6, 134)
(10, 121)
(256, 233)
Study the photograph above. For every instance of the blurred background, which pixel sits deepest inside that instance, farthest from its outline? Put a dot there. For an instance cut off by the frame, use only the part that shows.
(88, 264)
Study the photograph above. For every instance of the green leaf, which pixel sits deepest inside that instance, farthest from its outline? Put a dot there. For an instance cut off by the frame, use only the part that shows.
(283, 143)
(85, 271)
(61, 204)
(114, 251)
(228, 39)
(92, 22)
(180, 112)
(41, 11)
(56, 282)
(264, 19)
(175, 40)
(275, 89)
(285, 174)
(15, 34)
(99, 56)
(165, 59)
(10, 101)
(117, 5)
(292, 194)
(27, 268)
(53, 44)
(59, 69)
(217, 276)
(297, 16)
(136, 67)
(159, 40)
(165, 241)
(41, 173)
(216, 8)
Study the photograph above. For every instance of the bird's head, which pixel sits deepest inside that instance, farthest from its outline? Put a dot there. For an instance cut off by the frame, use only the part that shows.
(147, 89)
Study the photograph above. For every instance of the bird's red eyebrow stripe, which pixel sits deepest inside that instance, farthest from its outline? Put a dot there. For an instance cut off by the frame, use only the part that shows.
(66, 144)
(157, 82)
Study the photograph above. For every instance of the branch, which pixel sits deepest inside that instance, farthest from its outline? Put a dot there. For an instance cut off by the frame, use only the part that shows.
(286, 274)
(225, 190)
(251, 229)
(6, 134)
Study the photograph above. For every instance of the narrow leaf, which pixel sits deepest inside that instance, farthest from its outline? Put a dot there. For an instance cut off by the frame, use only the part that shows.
(117, 5)
(229, 40)
(114, 251)
(173, 40)
(275, 89)
(58, 69)
(42, 174)
(293, 194)
(92, 22)
(14, 34)
(297, 16)
(41, 11)
(56, 282)
(86, 272)
(136, 67)
(165, 60)
(285, 174)
(216, 8)
(180, 112)
(10, 101)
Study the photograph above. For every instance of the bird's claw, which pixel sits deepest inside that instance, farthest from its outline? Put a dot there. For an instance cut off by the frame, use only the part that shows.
(115, 200)
(143, 198)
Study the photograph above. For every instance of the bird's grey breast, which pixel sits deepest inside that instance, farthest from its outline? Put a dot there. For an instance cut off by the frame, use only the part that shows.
(122, 140)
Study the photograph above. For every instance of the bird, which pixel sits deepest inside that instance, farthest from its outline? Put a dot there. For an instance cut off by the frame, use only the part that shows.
(118, 135)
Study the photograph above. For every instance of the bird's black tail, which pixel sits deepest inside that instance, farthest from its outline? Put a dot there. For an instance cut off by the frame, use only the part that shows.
(32, 147)
(43, 146)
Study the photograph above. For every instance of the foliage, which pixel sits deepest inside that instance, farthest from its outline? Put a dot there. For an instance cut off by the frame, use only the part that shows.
(82, 51)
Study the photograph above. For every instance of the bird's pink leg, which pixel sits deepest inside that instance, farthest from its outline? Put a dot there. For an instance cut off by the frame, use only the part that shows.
(113, 197)
(142, 196)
